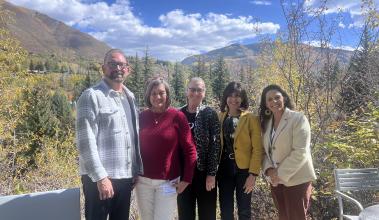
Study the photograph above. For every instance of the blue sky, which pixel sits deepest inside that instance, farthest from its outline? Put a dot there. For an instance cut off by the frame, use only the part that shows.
(175, 29)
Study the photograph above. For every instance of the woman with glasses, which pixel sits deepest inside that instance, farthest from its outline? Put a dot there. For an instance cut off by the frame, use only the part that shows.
(241, 153)
(205, 131)
(165, 136)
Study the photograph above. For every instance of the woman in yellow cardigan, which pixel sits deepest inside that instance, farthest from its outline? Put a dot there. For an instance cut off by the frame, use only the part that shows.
(241, 153)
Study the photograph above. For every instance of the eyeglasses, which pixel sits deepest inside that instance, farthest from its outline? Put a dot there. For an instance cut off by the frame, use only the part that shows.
(155, 94)
(199, 90)
(114, 65)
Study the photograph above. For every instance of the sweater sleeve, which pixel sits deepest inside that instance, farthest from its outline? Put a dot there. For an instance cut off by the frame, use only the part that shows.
(214, 143)
(257, 148)
(187, 147)
(86, 132)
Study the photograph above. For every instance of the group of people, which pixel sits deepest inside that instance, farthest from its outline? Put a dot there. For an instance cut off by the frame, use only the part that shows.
(176, 158)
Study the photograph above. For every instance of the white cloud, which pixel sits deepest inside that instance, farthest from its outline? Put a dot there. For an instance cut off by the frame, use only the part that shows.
(178, 35)
(352, 7)
(316, 43)
(262, 2)
(349, 48)
(357, 24)
(341, 25)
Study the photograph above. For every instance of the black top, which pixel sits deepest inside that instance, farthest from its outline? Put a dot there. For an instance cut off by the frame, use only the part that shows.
(191, 117)
(229, 126)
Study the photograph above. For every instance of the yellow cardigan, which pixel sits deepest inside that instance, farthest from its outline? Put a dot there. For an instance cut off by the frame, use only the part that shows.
(247, 145)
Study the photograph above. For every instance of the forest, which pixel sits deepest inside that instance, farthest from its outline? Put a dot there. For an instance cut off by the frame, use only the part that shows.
(38, 94)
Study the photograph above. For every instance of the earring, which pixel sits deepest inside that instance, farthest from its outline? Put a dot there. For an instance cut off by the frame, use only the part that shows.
(268, 112)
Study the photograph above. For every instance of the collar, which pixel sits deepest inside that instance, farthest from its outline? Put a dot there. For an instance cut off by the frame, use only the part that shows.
(224, 114)
(198, 108)
(107, 89)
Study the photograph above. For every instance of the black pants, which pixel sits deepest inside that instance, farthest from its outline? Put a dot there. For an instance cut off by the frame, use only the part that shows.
(117, 207)
(230, 178)
(206, 200)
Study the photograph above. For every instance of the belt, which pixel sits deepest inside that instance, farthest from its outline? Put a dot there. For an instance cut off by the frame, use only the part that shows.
(229, 156)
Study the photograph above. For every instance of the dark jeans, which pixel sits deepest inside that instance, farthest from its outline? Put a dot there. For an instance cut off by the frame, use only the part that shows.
(206, 200)
(117, 207)
(292, 202)
(230, 178)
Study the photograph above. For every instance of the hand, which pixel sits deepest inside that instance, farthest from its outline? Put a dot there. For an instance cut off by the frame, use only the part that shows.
(273, 174)
(249, 184)
(105, 189)
(181, 186)
(210, 183)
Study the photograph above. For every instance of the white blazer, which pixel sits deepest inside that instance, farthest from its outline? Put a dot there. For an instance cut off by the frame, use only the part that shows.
(290, 149)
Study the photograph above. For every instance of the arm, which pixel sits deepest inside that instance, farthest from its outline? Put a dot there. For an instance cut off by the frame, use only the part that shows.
(188, 147)
(256, 145)
(213, 151)
(266, 164)
(301, 136)
(214, 147)
(86, 132)
(256, 153)
(270, 171)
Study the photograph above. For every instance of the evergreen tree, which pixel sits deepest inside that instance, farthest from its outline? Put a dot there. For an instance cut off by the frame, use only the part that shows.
(64, 68)
(31, 65)
(82, 85)
(221, 77)
(39, 119)
(48, 65)
(241, 75)
(147, 71)
(56, 67)
(40, 66)
(178, 85)
(38, 123)
(356, 88)
(201, 70)
(61, 108)
(336, 72)
(135, 82)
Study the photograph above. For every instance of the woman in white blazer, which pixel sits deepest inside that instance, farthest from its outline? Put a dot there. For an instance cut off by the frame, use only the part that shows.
(287, 162)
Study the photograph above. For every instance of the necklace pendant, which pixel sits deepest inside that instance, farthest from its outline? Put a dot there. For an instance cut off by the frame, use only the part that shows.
(156, 122)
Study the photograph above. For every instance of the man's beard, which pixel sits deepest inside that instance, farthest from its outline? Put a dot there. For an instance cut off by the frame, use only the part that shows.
(116, 76)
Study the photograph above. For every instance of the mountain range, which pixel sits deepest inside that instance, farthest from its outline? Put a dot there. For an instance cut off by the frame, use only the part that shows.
(41, 34)
(238, 54)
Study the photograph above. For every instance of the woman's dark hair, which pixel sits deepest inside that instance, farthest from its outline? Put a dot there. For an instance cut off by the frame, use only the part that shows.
(264, 117)
(234, 88)
(151, 85)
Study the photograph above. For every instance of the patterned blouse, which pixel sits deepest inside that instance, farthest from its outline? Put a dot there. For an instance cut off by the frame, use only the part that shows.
(207, 139)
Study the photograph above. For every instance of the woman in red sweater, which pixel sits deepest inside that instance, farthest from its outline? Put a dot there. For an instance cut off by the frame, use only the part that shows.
(164, 134)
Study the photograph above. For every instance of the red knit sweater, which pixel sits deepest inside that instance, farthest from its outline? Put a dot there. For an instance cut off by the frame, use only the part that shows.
(163, 137)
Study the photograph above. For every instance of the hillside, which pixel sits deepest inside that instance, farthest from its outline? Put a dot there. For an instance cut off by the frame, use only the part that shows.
(239, 54)
(40, 34)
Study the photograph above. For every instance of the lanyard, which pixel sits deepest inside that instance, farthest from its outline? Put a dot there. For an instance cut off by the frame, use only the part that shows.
(272, 135)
